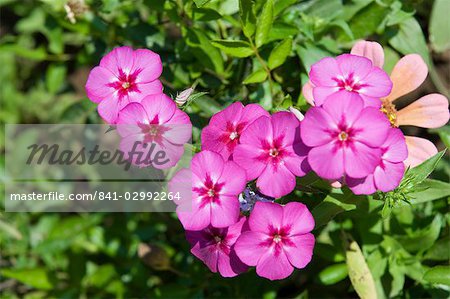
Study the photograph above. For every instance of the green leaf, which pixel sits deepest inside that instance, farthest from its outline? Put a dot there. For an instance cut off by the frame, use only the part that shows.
(37, 277)
(201, 3)
(248, 19)
(410, 39)
(208, 105)
(206, 14)
(236, 48)
(206, 53)
(422, 239)
(281, 31)
(438, 275)
(440, 26)
(332, 205)
(256, 77)
(10, 230)
(55, 77)
(280, 53)
(430, 190)
(333, 274)
(366, 22)
(359, 272)
(422, 171)
(398, 279)
(377, 264)
(439, 251)
(264, 24)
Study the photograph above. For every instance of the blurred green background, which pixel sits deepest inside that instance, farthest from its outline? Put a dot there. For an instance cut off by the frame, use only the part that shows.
(47, 49)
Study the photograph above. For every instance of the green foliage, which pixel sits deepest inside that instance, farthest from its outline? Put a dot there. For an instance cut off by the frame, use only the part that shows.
(252, 51)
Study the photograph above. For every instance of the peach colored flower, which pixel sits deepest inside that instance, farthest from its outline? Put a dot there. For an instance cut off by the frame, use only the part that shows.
(430, 111)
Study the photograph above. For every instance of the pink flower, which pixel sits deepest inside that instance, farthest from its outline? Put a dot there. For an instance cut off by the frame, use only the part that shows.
(271, 150)
(430, 111)
(123, 76)
(225, 128)
(345, 137)
(389, 172)
(156, 128)
(215, 247)
(279, 239)
(347, 75)
(215, 185)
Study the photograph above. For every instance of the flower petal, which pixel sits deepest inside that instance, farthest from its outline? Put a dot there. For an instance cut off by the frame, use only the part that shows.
(230, 115)
(276, 180)
(307, 91)
(196, 219)
(344, 106)
(389, 176)
(97, 88)
(207, 164)
(372, 127)
(109, 108)
(248, 158)
(315, 127)
(430, 111)
(321, 93)
(258, 133)
(324, 71)
(225, 211)
(207, 254)
(147, 64)
(407, 75)
(274, 266)
(371, 101)
(265, 216)
(376, 84)
(145, 89)
(119, 59)
(327, 161)
(354, 66)
(233, 179)
(252, 112)
(250, 247)
(298, 218)
(297, 162)
(361, 160)
(284, 126)
(159, 107)
(132, 114)
(395, 146)
(299, 250)
(371, 50)
(230, 265)
(362, 186)
(419, 150)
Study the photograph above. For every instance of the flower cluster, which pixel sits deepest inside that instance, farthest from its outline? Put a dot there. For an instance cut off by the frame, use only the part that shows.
(129, 95)
(349, 137)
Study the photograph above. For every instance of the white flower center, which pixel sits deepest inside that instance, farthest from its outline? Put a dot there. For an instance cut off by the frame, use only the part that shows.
(273, 152)
(234, 135)
(277, 238)
(343, 136)
(211, 193)
(125, 85)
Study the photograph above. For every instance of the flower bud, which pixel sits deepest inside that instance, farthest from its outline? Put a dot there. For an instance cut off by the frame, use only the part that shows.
(183, 96)
(154, 256)
(297, 113)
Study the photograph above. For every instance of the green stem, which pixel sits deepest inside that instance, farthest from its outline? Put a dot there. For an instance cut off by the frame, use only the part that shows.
(264, 65)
